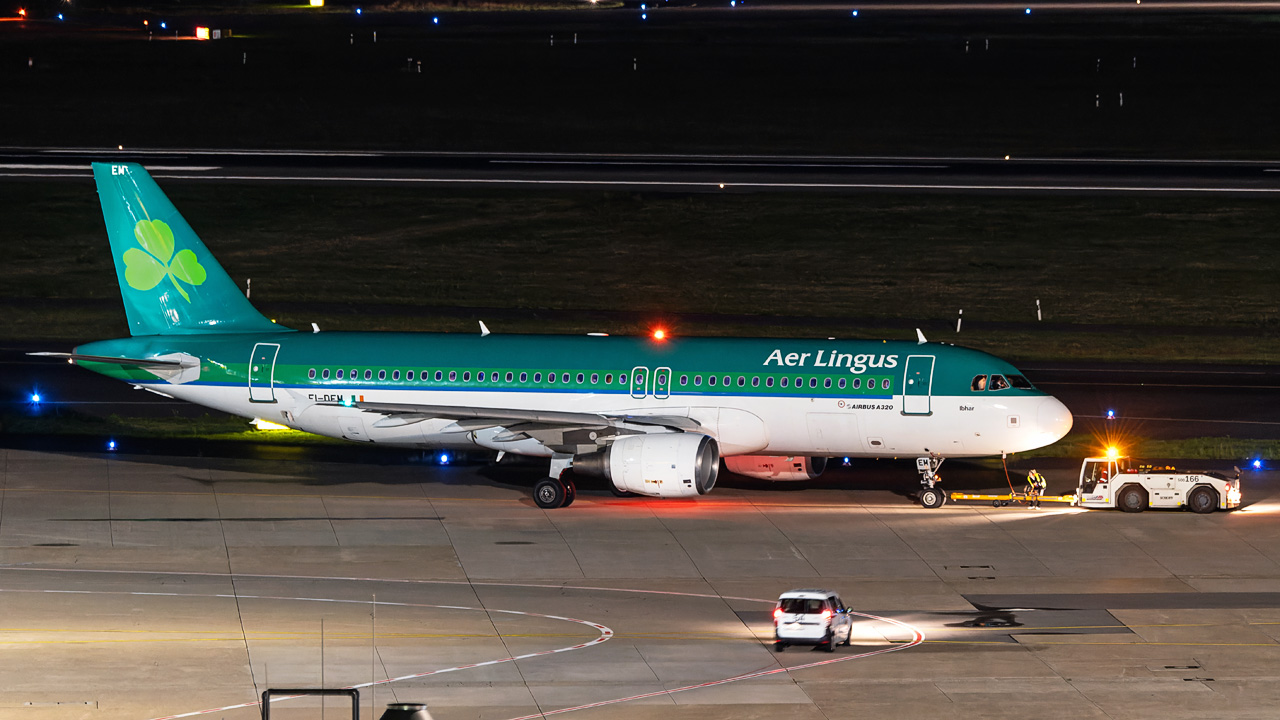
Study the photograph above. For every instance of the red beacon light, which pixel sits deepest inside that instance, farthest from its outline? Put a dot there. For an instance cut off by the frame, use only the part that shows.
(659, 334)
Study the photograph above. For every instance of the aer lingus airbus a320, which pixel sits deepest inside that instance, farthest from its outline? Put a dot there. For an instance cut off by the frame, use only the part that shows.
(652, 416)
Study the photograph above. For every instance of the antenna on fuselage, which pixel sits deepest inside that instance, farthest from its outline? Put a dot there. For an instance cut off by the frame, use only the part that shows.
(920, 337)
(484, 330)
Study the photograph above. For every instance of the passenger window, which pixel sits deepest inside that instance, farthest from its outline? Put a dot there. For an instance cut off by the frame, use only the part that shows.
(338, 374)
(595, 378)
(768, 382)
(325, 373)
(480, 376)
(382, 374)
(799, 382)
(684, 380)
(409, 376)
(453, 375)
(726, 380)
(524, 377)
(711, 379)
(826, 383)
(784, 381)
(979, 383)
(439, 376)
(551, 377)
(813, 382)
(466, 376)
(662, 378)
(755, 381)
(622, 379)
(368, 374)
(998, 382)
(395, 374)
(311, 373)
(608, 379)
(885, 383)
(510, 376)
(842, 383)
(857, 383)
(537, 377)
(565, 377)
(742, 382)
(697, 380)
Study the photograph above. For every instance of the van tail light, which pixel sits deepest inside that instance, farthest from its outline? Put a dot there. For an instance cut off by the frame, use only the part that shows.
(826, 614)
(777, 613)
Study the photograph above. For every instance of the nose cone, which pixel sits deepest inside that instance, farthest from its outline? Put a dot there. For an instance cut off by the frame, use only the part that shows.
(1053, 420)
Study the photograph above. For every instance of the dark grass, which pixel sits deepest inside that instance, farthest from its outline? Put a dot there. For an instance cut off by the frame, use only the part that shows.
(756, 82)
(1153, 279)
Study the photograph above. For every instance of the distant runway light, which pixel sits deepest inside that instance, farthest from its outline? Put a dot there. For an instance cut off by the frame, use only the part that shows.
(855, 13)
(359, 11)
(644, 16)
(1111, 414)
(59, 16)
(1028, 11)
(733, 3)
(111, 446)
(163, 25)
(1257, 464)
(35, 398)
(444, 458)
(435, 21)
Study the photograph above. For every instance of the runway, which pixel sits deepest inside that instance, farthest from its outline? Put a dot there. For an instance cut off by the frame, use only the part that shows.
(668, 173)
(164, 587)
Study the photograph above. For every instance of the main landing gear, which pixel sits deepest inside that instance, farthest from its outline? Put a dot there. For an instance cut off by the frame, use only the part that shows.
(555, 491)
(930, 496)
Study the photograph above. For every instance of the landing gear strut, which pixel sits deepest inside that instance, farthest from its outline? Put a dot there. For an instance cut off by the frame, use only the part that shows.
(555, 491)
(930, 496)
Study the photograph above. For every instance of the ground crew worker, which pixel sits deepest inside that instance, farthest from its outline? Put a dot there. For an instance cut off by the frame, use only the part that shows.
(1035, 486)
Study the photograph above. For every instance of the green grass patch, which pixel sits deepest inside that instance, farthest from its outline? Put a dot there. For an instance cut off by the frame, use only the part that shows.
(217, 428)
(1078, 445)
(1130, 279)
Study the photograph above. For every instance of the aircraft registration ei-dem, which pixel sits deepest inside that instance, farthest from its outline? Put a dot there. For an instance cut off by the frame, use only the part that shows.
(652, 416)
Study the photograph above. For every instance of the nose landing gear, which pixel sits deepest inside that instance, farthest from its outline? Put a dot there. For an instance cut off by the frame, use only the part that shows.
(930, 496)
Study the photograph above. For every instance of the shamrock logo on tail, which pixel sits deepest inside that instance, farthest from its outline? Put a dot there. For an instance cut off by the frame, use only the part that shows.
(145, 268)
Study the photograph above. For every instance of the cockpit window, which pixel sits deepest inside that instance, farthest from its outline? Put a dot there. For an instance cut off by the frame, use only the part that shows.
(998, 382)
(1020, 382)
(979, 383)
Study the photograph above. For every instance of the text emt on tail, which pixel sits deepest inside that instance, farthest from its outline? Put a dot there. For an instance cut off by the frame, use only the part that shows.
(652, 416)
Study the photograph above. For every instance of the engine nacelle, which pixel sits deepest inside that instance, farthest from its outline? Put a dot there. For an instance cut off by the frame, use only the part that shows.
(659, 465)
(776, 467)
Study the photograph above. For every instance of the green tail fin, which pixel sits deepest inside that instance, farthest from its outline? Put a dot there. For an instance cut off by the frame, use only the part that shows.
(170, 282)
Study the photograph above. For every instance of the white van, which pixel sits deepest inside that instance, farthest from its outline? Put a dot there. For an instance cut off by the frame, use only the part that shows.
(811, 617)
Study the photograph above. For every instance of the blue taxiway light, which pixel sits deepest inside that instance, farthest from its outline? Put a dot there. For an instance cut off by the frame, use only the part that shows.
(444, 458)
(359, 11)
(855, 13)
(1111, 414)
(644, 16)
(35, 398)
(163, 26)
(1257, 464)
(435, 21)
(59, 16)
(1028, 11)
(111, 446)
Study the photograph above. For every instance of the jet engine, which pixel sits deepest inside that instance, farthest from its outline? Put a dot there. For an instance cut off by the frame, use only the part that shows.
(776, 467)
(659, 465)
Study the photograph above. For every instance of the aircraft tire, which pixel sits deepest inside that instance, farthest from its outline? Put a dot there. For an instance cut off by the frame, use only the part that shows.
(570, 493)
(932, 498)
(549, 493)
(620, 493)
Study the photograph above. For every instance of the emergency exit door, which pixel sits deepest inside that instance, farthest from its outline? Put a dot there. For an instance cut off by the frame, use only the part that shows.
(262, 373)
(916, 384)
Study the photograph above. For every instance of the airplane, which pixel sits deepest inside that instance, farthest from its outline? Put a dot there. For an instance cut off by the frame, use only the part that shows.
(653, 415)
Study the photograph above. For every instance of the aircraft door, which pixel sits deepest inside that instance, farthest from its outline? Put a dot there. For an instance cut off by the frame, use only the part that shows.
(262, 371)
(916, 384)
(639, 382)
(662, 383)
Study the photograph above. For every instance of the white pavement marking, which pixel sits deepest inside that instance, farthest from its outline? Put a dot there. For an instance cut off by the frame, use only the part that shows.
(917, 636)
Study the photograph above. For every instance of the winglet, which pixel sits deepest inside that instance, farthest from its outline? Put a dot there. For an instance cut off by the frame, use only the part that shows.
(920, 337)
(483, 329)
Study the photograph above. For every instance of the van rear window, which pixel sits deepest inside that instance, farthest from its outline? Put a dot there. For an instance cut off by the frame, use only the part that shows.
(802, 606)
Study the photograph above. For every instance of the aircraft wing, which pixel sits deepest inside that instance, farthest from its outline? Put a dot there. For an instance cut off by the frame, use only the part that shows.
(570, 432)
